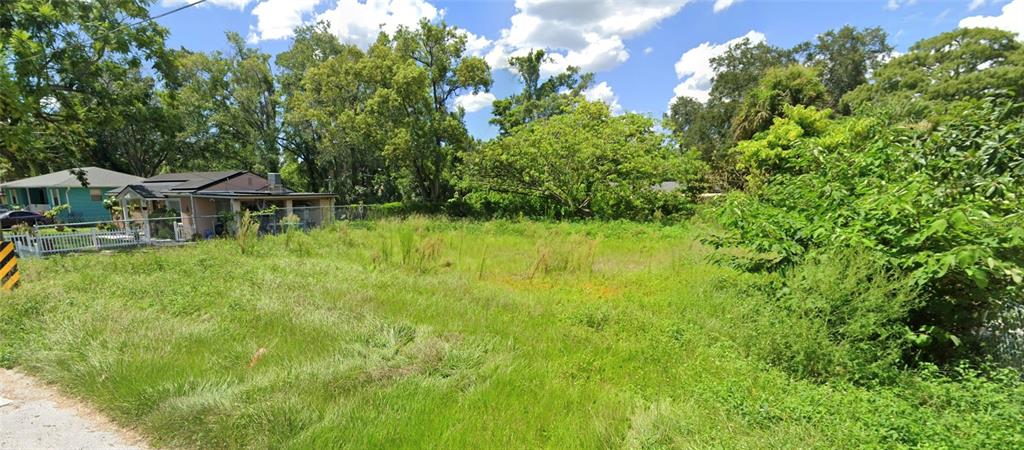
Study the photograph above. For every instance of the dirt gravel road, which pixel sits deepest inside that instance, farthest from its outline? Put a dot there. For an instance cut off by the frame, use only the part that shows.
(34, 416)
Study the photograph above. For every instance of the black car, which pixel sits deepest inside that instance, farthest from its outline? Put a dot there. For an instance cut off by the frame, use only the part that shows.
(12, 218)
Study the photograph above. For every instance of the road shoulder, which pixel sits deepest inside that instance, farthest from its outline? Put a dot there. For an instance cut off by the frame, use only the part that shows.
(34, 415)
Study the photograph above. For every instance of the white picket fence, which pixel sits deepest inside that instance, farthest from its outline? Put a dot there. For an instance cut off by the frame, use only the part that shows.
(51, 244)
(45, 240)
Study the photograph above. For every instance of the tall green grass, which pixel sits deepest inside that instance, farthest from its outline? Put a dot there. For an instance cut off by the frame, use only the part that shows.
(436, 334)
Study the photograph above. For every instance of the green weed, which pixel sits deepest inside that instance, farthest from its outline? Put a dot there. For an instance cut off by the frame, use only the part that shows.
(558, 255)
(634, 342)
(247, 233)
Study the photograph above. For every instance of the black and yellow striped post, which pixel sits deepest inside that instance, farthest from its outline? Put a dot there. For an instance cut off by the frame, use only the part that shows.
(9, 275)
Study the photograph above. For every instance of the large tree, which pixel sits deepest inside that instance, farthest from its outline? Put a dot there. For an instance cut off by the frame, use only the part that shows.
(842, 58)
(780, 87)
(538, 99)
(963, 64)
(231, 107)
(582, 163)
(430, 134)
(345, 107)
(58, 63)
(312, 46)
(135, 130)
(707, 127)
(845, 57)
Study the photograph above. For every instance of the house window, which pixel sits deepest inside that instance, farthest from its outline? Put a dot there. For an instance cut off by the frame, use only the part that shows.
(96, 194)
(36, 197)
(173, 205)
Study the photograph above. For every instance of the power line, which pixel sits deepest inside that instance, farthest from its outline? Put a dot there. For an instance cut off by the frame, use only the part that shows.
(132, 25)
(167, 13)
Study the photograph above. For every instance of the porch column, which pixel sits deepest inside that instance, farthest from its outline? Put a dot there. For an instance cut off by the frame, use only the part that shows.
(124, 214)
(145, 220)
(288, 208)
(195, 215)
(236, 210)
(326, 210)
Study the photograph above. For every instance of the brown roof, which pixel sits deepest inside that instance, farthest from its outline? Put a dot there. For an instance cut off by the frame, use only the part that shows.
(191, 181)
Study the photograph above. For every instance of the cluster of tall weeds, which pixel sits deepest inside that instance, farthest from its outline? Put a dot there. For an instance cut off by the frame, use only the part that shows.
(247, 233)
(416, 250)
(838, 315)
(574, 256)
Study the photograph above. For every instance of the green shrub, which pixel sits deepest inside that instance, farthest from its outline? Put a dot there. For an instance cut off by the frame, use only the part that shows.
(22, 228)
(839, 314)
(57, 213)
(942, 208)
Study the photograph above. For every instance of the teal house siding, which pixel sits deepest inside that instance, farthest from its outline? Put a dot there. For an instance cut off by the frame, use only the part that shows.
(83, 207)
(64, 187)
(16, 197)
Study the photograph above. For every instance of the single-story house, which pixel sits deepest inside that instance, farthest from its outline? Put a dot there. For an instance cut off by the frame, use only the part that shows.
(202, 201)
(43, 192)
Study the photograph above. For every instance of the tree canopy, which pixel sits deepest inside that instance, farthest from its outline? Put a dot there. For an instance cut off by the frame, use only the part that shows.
(958, 64)
(538, 100)
(736, 109)
(585, 163)
(62, 63)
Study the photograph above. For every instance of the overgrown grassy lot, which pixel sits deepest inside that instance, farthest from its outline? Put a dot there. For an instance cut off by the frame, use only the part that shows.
(430, 333)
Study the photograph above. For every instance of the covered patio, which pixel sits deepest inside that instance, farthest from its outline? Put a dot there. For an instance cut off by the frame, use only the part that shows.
(208, 215)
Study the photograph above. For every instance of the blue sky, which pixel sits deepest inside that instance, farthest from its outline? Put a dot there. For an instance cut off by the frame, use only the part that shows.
(643, 52)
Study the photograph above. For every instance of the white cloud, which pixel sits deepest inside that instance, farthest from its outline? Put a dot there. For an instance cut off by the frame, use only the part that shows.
(589, 35)
(475, 102)
(722, 5)
(353, 21)
(600, 53)
(359, 22)
(694, 66)
(975, 4)
(602, 92)
(897, 4)
(1011, 19)
(648, 50)
(476, 45)
(275, 19)
(231, 4)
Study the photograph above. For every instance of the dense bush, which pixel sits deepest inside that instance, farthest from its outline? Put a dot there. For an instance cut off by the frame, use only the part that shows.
(838, 315)
(942, 207)
(778, 88)
(584, 163)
